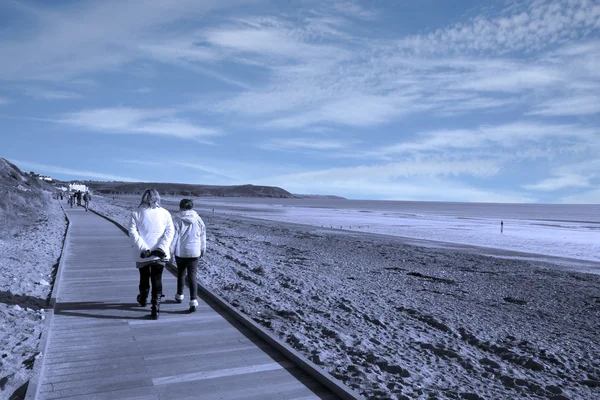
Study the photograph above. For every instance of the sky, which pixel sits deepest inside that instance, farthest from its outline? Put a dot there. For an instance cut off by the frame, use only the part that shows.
(469, 101)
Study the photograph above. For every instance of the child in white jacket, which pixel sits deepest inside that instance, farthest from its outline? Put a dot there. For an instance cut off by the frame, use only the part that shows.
(188, 246)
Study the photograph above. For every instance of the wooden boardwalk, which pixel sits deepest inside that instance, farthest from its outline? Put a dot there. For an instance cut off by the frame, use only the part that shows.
(100, 344)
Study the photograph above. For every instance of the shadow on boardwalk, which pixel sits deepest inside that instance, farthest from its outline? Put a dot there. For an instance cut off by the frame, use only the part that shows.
(96, 308)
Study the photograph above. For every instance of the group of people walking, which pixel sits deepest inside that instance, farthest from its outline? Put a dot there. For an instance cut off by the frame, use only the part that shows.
(78, 196)
(156, 237)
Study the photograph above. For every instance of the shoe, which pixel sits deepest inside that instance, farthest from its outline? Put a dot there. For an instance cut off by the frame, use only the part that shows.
(193, 305)
(155, 310)
(179, 298)
(142, 298)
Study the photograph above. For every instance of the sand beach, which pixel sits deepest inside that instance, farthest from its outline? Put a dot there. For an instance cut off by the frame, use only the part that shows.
(390, 317)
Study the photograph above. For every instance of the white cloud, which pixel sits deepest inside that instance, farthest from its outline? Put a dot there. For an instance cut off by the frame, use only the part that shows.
(70, 172)
(352, 110)
(209, 170)
(559, 182)
(390, 172)
(317, 70)
(44, 94)
(303, 144)
(585, 197)
(524, 27)
(584, 104)
(416, 188)
(518, 135)
(515, 79)
(353, 9)
(137, 121)
(93, 36)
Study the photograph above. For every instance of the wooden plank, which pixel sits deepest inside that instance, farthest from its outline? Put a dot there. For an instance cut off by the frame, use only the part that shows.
(47, 391)
(138, 393)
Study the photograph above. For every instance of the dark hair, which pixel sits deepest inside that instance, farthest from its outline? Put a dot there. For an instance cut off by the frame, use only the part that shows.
(150, 199)
(186, 204)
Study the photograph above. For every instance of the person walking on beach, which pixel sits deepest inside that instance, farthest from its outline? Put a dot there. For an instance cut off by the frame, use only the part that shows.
(501, 226)
(86, 198)
(151, 230)
(189, 244)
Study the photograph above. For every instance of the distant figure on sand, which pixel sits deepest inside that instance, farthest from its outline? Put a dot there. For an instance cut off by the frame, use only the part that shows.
(86, 198)
(189, 244)
(151, 230)
(501, 226)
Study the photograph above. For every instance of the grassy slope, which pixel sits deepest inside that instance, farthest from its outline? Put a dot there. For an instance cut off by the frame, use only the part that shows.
(21, 198)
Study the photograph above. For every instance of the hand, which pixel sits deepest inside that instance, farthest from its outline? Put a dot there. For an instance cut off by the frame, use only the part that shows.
(158, 253)
(145, 254)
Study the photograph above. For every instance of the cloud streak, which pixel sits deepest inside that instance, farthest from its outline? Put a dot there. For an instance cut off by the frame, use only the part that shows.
(161, 122)
(52, 169)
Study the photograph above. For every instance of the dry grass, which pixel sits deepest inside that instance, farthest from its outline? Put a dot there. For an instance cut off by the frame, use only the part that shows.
(22, 199)
(20, 208)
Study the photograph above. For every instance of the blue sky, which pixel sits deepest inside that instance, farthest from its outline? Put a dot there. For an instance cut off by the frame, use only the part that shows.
(405, 100)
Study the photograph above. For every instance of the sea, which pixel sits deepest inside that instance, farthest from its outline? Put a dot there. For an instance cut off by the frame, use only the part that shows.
(566, 231)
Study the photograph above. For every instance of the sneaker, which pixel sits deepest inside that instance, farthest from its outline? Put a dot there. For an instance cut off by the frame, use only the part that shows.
(179, 298)
(193, 305)
(142, 300)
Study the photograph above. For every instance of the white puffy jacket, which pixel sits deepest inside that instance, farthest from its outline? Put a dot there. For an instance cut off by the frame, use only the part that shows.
(150, 229)
(190, 235)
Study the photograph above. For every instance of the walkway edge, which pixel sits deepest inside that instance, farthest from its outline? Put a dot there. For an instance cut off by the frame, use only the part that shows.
(298, 359)
(38, 367)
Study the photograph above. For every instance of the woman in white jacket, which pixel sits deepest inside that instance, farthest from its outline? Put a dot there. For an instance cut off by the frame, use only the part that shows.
(188, 246)
(151, 230)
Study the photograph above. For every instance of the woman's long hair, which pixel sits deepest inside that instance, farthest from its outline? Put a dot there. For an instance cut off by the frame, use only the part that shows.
(150, 199)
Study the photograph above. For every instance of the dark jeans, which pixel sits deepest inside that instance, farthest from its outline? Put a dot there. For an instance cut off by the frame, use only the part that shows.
(191, 266)
(151, 273)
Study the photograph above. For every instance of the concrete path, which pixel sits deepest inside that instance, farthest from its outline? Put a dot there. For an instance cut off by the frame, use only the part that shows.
(102, 345)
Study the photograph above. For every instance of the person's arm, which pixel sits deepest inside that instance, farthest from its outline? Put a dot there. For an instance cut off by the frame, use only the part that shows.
(174, 241)
(164, 243)
(202, 238)
(134, 234)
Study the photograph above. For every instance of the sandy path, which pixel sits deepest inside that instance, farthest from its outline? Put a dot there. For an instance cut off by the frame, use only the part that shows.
(398, 321)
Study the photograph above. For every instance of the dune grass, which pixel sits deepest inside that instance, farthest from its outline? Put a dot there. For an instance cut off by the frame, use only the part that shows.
(20, 208)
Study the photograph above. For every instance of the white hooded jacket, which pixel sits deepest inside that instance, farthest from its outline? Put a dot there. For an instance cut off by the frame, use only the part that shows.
(190, 235)
(150, 229)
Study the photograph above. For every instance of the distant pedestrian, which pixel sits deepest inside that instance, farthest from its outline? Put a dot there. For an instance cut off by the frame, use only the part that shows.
(78, 195)
(86, 198)
(151, 230)
(71, 200)
(501, 226)
(188, 246)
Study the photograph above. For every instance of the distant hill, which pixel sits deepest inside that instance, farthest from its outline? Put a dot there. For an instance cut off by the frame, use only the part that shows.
(183, 189)
(318, 196)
